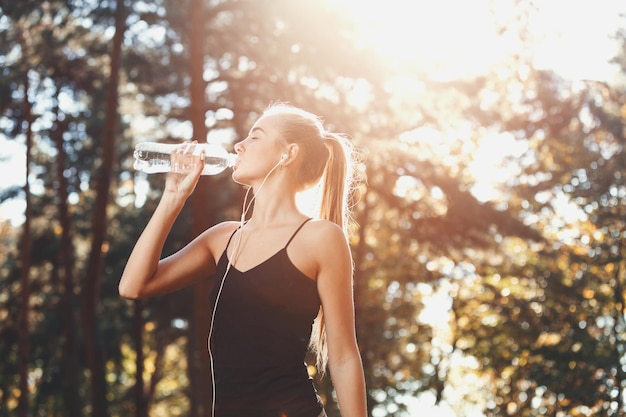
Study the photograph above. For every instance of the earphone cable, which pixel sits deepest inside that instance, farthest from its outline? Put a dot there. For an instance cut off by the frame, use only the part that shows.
(235, 253)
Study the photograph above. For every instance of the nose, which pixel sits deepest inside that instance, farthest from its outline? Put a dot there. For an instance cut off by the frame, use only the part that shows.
(239, 148)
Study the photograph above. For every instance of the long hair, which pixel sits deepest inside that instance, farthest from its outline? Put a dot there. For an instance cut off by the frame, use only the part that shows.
(326, 160)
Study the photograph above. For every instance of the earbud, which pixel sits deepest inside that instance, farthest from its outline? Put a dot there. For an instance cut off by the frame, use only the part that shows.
(283, 157)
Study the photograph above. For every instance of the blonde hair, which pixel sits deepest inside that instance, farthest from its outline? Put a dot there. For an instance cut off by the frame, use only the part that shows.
(326, 158)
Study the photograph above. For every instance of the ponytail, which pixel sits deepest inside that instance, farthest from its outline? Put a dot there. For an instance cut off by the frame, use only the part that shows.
(335, 181)
(336, 187)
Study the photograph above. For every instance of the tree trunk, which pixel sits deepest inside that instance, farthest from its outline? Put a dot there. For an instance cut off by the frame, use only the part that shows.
(25, 248)
(90, 297)
(66, 263)
(141, 403)
(199, 367)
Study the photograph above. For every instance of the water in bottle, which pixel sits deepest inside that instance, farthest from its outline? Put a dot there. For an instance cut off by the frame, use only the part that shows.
(153, 157)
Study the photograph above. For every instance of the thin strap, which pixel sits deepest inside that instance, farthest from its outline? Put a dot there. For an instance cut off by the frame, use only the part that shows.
(233, 234)
(297, 230)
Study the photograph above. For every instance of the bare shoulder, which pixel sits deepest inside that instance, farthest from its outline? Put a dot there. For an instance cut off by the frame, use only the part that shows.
(325, 238)
(319, 242)
(320, 231)
(216, 237)
(223, 228)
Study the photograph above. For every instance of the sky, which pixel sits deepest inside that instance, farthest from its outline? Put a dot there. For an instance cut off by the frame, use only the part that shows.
(458, 37)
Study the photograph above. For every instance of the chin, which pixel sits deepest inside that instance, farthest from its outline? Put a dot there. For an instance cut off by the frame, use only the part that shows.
(237, 179)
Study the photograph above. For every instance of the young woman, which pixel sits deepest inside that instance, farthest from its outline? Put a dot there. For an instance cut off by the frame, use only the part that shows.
(282, 282)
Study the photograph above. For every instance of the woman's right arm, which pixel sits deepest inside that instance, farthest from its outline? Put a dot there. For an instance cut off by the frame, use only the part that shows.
(146, 274)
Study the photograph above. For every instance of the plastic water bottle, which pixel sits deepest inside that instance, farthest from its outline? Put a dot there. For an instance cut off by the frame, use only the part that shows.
(153, 157)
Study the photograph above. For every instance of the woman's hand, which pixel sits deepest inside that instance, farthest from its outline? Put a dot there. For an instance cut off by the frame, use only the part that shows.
(145, 275)
(186, 170)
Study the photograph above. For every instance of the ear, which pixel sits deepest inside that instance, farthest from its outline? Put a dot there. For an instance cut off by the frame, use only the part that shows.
(290, 154)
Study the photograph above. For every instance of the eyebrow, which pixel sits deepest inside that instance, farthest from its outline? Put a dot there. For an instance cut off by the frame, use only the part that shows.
(256, 128)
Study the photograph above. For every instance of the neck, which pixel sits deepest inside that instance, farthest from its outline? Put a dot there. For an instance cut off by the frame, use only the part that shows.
(272, 203)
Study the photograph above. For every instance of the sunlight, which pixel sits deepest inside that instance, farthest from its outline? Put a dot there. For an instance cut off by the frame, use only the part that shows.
(487, 165)
(484, 156)
(447, 39)
(581, 41)
(308, 201)
(13, 174)
(455, 38)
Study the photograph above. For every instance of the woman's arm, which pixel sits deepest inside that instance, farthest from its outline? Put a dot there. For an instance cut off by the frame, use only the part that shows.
(334, 283)
(145, 273)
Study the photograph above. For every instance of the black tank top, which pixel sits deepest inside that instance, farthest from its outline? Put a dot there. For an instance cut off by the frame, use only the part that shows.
(261, 333)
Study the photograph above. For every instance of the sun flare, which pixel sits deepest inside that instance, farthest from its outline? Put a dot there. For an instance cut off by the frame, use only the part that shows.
(459, 38)
(447, 39)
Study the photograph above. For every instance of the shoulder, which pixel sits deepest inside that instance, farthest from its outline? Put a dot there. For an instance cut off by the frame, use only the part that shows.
(219, 231)
(319, 243)
(318, 228)
(325, 238)
(323, 234)
(330, 251)
(227, 227)
(216, 237)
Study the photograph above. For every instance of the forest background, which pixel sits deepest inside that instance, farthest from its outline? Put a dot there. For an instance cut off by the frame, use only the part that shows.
(490, 239)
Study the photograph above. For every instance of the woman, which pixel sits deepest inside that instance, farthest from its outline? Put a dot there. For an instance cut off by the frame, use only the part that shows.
(275, 276)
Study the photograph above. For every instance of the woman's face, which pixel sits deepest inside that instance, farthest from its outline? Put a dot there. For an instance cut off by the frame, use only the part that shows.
(259, 152)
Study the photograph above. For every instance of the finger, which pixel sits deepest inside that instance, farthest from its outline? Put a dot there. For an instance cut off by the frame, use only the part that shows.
(199, 162)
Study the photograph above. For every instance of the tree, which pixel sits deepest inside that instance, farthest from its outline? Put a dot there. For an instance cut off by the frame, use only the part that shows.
(25, 249)
(90, 292)
(560, 333)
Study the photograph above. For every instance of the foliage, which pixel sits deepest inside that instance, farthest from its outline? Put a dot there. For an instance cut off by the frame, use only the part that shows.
(557, 309)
